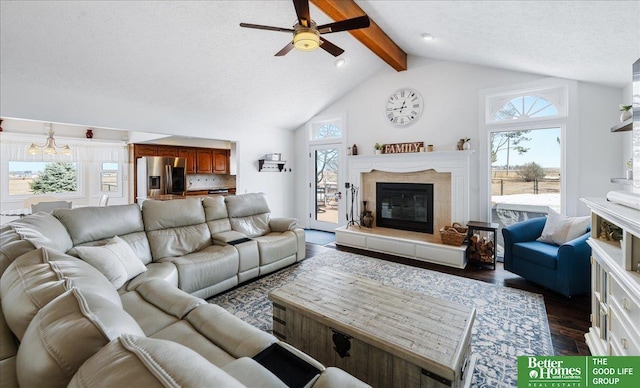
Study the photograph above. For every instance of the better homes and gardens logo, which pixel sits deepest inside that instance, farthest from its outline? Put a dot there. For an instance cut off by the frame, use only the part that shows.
(577, 371)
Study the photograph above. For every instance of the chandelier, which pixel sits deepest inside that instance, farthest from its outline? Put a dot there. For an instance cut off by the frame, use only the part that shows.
(50, 147)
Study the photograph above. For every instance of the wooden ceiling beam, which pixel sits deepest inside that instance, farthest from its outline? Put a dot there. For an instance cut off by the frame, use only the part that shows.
(373, 37)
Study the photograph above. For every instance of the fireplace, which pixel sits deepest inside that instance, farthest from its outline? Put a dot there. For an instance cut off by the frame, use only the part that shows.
(405, 206)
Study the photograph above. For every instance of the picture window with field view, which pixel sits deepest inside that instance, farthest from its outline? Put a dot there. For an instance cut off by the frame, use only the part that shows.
(526, 161)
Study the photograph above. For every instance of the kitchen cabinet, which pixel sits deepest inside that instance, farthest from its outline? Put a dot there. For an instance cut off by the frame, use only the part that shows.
(140, 150)
(199, 160)
(190, 155)
(204, 161)
(220, 161)
(169, 151)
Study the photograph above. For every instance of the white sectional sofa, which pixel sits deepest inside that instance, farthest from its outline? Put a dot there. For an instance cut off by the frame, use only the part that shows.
(112, 296)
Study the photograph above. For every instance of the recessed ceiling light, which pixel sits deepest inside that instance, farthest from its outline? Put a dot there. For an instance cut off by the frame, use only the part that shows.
(339, 62)
(427, 37)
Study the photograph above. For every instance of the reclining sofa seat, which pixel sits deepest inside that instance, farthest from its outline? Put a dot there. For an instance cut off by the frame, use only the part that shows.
(280, 242)
(178, 233)
(215, 210)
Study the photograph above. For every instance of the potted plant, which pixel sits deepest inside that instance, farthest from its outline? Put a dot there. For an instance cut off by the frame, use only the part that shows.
(626, 112)
(377, 148)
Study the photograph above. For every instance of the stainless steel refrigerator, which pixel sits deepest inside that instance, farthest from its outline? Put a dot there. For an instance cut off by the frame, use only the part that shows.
(161, 177)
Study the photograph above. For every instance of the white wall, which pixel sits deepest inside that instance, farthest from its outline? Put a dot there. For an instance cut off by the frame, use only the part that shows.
(450, 91)
(601, 151)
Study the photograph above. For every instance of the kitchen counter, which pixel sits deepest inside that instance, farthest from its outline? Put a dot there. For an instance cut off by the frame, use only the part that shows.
(164, 197)
(212, 191)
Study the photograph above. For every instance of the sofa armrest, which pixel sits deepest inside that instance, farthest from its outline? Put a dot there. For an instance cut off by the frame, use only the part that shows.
(574, 266)
(528, 230)
(169, 299)
(229, 332)
(166, 271)
(282, 224)
(574, 250)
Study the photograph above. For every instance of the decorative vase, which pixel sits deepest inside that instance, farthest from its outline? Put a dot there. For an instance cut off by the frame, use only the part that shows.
(466, 146)
(625, 115)
(367, 220)
(364, 210)
(377, 152)
(89, 134)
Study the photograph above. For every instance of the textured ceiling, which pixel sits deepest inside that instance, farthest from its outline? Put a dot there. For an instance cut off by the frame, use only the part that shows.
(591, 41)
(192, 57)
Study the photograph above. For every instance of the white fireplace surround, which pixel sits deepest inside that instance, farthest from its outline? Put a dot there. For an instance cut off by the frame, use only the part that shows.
(457, 163)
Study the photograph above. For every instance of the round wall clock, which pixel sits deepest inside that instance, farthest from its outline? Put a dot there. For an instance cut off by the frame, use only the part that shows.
(404, 107)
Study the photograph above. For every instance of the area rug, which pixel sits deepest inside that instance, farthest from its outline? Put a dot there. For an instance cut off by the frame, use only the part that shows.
(319, 237)
(509, 322)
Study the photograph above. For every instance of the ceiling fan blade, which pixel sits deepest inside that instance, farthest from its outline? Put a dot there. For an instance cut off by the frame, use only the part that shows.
(345, 25)
(285, 49)
(330, 47)
(302, 11)
(261, 27)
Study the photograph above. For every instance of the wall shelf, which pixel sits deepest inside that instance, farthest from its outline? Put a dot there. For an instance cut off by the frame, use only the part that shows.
(270, 165)
(626, 125)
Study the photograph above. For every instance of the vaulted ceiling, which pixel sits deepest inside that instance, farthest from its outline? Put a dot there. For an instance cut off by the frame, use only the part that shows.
(193, 58)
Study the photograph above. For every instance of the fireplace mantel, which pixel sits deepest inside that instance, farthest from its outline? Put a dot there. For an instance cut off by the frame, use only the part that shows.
(457, 163)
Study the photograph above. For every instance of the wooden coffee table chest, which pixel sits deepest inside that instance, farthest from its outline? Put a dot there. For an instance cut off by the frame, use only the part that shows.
(385, 336)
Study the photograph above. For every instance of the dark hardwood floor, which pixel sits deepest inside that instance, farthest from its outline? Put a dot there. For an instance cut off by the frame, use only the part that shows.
(568, 317)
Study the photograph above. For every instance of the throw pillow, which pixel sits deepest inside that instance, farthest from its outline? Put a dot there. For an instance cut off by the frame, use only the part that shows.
(559, 229)
(115, 259)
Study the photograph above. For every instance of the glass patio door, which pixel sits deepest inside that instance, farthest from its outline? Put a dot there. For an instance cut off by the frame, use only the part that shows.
(326, 187)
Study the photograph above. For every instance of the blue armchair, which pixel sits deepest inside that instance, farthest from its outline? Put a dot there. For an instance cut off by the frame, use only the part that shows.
(565, 269)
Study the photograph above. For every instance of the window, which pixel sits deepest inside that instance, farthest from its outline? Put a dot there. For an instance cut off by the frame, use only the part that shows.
(529, 104)
(525, 107)
(527, 151)
(109, 177)
(27, 178)
(326, 131)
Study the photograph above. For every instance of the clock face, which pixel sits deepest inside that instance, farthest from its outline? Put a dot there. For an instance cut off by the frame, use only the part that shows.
(404, 107)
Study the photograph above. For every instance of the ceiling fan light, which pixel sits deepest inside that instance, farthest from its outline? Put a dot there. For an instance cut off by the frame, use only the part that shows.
(66, 150)
(306, 40)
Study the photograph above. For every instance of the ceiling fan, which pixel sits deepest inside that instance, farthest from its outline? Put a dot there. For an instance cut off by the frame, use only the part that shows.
(306, 34)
